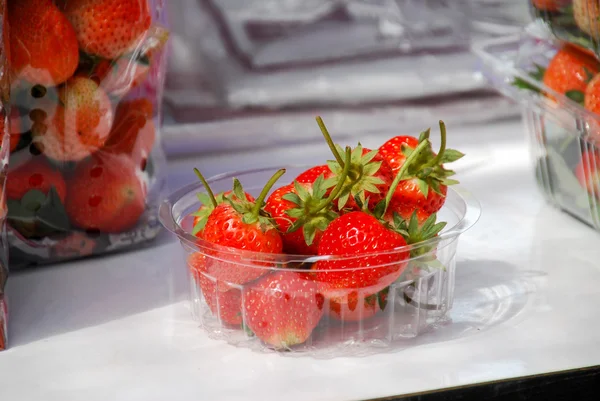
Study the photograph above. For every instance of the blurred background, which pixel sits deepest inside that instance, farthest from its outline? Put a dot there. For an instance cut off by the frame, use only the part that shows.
(248, 73)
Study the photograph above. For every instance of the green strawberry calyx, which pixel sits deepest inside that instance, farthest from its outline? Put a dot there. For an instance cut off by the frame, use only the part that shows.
(314, 211)
(537, 76)
(209, 203)
(426, 167)
(415, 234)
(361, 176)
(252, 212)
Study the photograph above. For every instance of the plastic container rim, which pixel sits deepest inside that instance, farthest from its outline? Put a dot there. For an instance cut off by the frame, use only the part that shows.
(472, 212)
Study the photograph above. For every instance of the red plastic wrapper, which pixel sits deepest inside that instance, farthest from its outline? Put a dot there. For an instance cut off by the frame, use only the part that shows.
(4, 152)
(86, 84)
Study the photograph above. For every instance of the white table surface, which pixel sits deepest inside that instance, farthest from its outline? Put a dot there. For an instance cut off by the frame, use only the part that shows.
(117, 328)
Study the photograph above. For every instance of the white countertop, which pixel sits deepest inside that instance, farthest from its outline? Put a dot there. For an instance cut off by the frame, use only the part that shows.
(117, 328)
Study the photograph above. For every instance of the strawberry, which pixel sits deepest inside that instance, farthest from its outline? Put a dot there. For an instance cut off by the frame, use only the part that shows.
(209, 201)
(369, 176)
(37, 174)
(360, 241)
(80, 124)
(592, 96)
(282, 309)
(587, 16)
(353, 309)
(393, 150)
(550, 5)
(302, 212)
(43, 44)
(588, 173)
(241, 224)
(105, 194)
(421, 185)
(118, 77)
(310, 176)
(570, 71)
(108, 28)
(133, 131)
(226, 302)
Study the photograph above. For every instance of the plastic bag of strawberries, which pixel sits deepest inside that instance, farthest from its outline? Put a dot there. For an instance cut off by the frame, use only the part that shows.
(86, 81)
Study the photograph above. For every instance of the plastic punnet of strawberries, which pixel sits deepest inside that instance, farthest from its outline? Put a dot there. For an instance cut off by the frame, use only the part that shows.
(86, 82)
(356, 216)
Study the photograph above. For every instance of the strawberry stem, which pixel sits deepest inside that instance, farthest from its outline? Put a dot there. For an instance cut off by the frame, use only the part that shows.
(340, 185)
(211, 195)
(329, 141)
(409, 160)
(438, 158)
(265, 191)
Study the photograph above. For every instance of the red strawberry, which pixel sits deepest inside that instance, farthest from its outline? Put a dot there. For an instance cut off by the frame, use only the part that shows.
(550, 5)
(209, 201)
(78, 126)
(421, 183)
(353, 309)
(201, 215)
(105, 194)
(588, 173)
(282, 309)
(226, 302)
(311, 175)
(277, 207)
(360, 241)
(43, 45)
(240, 224)
(118, 77)
(570, 71)
(369, 176)
(303, 211)
(393, 150)
(133, 131)
(108, 28)
(37, 174)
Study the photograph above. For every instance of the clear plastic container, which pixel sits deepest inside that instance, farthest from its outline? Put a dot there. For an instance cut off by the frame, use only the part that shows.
(86, 165)
(561, 132)
(236, 58)
(573, 21)
(416, 297)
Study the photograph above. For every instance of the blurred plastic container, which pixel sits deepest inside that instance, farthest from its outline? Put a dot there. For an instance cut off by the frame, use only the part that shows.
(573, 21)
(230, 57)
(410, 297)
(86, 169)
(244, 74)
(562, 134)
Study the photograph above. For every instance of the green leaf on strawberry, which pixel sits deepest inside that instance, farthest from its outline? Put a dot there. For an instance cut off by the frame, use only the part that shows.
(252, 211)
(313, 211)
(361, 177)
(205, 210)
(38, 214)
(537, 75)
(415, 233)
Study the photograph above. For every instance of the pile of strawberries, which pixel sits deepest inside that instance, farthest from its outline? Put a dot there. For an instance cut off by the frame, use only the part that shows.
(360, 212)
(81, 113)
